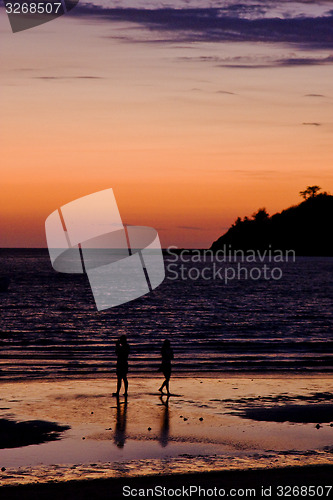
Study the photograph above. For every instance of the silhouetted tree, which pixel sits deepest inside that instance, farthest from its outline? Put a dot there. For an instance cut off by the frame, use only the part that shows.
(310, 192)
(302, 228)
(261, 215)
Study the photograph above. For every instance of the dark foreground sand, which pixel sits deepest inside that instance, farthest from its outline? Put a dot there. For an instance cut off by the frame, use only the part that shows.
(223, 481)
(72, 439)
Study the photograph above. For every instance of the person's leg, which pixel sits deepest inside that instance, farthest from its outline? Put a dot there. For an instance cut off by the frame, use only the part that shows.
(163, 385)
(125, 384)
(167, 380)
(118, 385)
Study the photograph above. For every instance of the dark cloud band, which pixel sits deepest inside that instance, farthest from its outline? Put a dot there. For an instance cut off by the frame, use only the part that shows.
(212, 24)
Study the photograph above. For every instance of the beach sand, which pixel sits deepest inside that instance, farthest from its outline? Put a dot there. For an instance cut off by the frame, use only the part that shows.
(225, 429)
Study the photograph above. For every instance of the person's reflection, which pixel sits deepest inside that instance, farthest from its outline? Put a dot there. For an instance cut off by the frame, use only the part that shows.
(165, 422)
(120, 430)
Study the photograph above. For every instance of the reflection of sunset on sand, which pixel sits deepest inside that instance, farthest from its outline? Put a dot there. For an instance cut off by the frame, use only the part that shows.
(205, 425)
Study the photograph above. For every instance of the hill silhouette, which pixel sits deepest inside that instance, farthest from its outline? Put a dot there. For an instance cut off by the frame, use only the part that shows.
(305, 228)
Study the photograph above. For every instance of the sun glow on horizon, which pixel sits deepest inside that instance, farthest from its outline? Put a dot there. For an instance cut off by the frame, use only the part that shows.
(188, 138)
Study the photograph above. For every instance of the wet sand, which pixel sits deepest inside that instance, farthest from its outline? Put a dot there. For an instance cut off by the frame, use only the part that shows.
(245, 483)
(235, 425)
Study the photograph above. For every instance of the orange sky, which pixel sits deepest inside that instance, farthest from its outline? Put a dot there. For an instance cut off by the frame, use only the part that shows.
(186, 144)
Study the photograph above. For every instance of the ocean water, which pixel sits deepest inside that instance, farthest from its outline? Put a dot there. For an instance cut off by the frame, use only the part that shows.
(49, 325)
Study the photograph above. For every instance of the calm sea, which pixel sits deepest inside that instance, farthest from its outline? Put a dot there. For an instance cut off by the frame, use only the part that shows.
(49, 326)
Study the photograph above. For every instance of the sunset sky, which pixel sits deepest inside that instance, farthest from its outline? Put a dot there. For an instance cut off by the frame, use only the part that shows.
(194, 113)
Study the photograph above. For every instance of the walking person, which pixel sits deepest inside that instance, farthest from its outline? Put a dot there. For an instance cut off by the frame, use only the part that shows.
(165, 368)
(122, 352)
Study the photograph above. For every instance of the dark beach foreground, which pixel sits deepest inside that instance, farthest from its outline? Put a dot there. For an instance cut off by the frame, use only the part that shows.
(229, 436)
(256, 483)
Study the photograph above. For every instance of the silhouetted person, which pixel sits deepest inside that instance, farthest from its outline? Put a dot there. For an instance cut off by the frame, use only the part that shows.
(120, 430)
(167, 356)
(165, 422)
(122, 352)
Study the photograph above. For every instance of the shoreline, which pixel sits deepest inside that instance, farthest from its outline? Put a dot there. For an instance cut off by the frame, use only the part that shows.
(176, 376)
